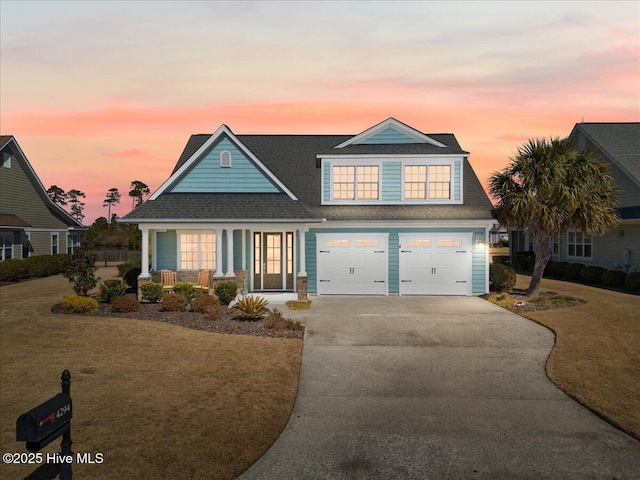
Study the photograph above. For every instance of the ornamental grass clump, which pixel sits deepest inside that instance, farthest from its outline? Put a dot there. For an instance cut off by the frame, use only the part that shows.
(125, 304)
(173, 302)
(112, 288)
(152, 292)
(79, 304)
(251, 308)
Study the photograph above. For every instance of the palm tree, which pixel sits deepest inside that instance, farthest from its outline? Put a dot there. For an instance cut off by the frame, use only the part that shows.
(550, 187)
(113, 197)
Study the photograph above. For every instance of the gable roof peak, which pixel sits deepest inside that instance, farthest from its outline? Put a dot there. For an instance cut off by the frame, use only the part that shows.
(394, 124)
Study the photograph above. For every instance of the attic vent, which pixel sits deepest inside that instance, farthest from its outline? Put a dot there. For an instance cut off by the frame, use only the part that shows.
(225, 159)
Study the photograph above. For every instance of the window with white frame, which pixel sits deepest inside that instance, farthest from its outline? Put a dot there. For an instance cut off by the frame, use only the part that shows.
(73, 241)
(6, 245)
(197, 250)
(439, 181)
(54, 244)
(431, 182)
(579, 245)
(27, 248)
(356, 182)
(6, 159)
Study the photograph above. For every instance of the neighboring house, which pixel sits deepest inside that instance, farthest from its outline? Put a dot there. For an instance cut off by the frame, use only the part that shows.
(30, 223)
(388, 211)
(498, 234)
(618, 145)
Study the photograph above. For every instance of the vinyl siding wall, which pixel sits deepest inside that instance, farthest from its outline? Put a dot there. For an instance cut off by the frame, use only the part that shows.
(207, 176)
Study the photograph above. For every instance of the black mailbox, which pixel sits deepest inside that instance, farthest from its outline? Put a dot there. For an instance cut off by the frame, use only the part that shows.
(44, 423)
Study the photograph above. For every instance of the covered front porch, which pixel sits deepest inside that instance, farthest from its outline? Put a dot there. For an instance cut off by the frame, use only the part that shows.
(262, 257)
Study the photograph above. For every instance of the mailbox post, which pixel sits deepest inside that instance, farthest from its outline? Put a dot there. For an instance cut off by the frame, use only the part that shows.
(43, 424)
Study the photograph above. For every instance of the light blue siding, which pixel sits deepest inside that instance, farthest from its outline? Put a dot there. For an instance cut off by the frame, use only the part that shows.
(206, 176)
(237, 250)
(167, 245)
(478, 268)
(388, 136)
(391, 181)
(457, 184)
(327, 181)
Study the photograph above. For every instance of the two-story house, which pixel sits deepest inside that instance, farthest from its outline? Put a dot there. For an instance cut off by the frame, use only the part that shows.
(618, 146)
(30, 223)
(388, 211)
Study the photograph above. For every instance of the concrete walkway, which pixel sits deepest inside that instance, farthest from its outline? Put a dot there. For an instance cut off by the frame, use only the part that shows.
(435, 387)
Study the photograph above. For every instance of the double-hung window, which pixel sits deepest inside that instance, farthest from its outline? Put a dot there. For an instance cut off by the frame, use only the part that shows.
(578, 245)
(54, 244)
(197, 250)
(352, 182)
(431, 182)
(6, 245)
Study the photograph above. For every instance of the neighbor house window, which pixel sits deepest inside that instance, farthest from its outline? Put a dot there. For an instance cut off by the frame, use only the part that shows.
(73, 241)
(351, 182)
(439, 181)
(6, 245)
(6, 159)
(54, 244)
(197, 250)
(578, 245)
(26, 245)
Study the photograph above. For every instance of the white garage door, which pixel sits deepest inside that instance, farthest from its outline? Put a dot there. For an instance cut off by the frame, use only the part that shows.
(435, 264)
(352, 264)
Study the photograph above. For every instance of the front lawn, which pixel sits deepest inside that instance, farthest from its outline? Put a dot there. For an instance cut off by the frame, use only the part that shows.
(157, 400)
(596, 358)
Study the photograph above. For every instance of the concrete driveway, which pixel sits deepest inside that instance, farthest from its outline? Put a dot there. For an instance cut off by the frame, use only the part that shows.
(435, 387)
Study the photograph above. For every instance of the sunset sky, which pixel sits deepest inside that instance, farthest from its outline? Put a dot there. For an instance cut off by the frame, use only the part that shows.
(99, 94)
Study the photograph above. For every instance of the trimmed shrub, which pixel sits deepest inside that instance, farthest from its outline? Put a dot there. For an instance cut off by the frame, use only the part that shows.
(216, 312)
(523, 261)
(131, 277)
(186, 289)
(123, 268)
(572, 271)
(79, 304)
(125, 304)
(13, 269)
(502, 259)
(557, 269)
(501, 277)
(81, 272)
(173, 302)
(252, 307)
(152, 292)
(614, 278)
(226, 292)
(46, 265)
(632, 282)
(203, 303)
(112, 288)
(592, 274)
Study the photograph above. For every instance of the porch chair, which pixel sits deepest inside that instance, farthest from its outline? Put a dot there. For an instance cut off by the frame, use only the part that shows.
(202, 286)
(168, 278)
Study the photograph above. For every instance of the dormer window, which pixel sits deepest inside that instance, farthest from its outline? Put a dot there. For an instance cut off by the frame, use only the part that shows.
(352, 182)
(225, 159)
(431, 182)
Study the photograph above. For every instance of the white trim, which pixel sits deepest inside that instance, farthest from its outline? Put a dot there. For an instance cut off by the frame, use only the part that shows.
(57, 235)
(397, 125)
(355, 200)
(169, 222)
(575, 244)
(218, 248)
(223, 129)
(435, 223)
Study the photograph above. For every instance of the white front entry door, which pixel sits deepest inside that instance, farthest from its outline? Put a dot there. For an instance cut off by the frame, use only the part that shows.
(352, 264)
(435, 264)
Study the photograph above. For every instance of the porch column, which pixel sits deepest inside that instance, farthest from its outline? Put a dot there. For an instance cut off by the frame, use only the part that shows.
(218, 272)
(230, 272)
(301, 259)
(145, 252)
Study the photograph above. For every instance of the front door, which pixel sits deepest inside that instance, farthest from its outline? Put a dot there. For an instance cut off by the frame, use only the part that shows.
(273, 260)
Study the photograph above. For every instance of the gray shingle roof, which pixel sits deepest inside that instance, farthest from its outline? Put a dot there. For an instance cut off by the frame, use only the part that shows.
(621, 141)
(292, 159)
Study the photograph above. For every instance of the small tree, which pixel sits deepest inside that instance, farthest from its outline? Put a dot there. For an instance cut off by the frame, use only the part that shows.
(57, 195)
(76, 205)
(138, 191)
(113, 197)
(550, 187)
(81, 272)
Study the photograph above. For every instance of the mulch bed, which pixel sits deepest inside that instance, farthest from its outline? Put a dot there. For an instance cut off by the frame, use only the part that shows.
(196, 321)
(516, 301)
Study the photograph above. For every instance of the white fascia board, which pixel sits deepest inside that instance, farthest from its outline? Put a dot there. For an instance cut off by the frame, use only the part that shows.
(220, 221)
(394, 157)
(228, 225)
(391, 122)
(223, 129)
(482, 223)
